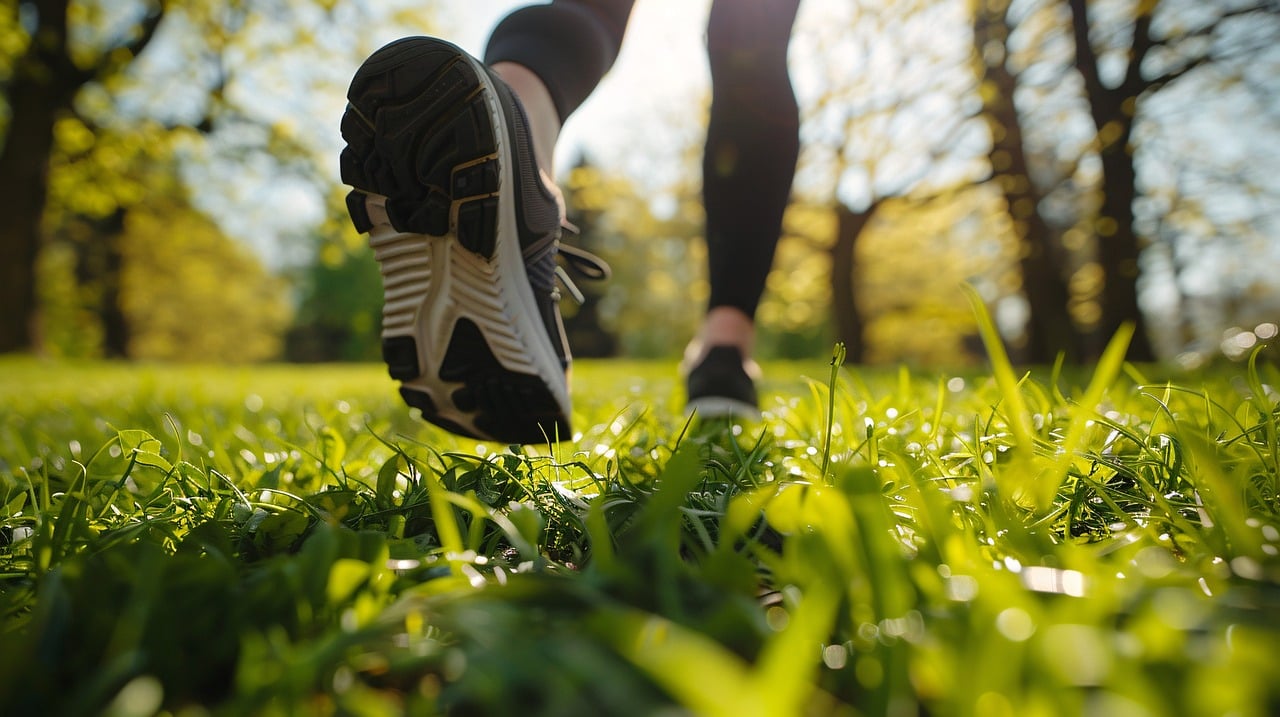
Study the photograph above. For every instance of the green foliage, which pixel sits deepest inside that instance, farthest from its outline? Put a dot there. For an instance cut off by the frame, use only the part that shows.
(339, 316)
(202, 297)
(658, 263)
(287, 539)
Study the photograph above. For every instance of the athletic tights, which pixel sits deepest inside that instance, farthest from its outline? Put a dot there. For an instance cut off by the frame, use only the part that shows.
(752, 135)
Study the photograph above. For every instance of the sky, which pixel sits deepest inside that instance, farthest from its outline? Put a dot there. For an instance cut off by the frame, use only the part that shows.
(661, 70)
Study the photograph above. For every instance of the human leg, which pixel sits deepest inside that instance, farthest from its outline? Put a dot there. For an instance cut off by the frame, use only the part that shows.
(748, 165)
(448, 174)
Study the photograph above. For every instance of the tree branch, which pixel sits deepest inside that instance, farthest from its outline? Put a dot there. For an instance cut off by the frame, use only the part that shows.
(146, 31)
(1086, 58)
(1209, 29)
(1133, 83)
(1156, 83)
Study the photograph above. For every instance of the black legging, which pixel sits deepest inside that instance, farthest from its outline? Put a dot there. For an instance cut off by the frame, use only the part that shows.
(752, 136)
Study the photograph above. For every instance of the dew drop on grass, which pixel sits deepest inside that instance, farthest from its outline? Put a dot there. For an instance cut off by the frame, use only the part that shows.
(962, 588)
(955, 385)
(1271, 533)
(1246, 568)
(1015, 624)
(253, 403)
(1052, 580)
(343, 679)
(141, 696)
(75, 448)
(835, 657)
(194, 438)
(1154, 563)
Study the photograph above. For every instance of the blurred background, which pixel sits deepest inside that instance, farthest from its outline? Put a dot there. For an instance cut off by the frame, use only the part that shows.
(169, 182)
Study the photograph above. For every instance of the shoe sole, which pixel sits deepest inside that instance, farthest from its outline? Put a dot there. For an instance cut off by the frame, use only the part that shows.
(460, 327)
(712, 407)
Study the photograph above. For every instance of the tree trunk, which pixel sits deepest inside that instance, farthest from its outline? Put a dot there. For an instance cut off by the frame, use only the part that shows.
(1050, 330)
(844, 304)
(1118, 246)
(24, 164)
(1113, 111)
(44, 80)
(99, 261)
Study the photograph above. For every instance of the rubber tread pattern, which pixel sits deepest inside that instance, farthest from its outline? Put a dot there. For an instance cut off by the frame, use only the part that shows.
(416, 112)
(516, 406)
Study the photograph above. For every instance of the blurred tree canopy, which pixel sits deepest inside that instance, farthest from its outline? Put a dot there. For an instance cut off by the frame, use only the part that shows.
(1082, 163)
(192, 294)
(1084, 89)
(1060, 106)
(1067, 158)
(116, 106)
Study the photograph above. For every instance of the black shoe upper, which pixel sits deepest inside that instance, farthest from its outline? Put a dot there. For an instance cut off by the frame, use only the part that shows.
(722, 375)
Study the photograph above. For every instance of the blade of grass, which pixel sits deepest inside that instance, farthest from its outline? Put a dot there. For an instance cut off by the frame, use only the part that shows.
(1104, 376)
(1019, 420)
(837, 360)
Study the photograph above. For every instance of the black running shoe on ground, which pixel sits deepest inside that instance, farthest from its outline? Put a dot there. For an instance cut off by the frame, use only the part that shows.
(466, 234)
(721, 385)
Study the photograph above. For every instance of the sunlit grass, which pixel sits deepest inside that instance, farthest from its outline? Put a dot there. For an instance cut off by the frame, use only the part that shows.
(288, 539)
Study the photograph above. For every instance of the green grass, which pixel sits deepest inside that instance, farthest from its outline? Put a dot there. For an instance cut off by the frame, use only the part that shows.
(289, 540)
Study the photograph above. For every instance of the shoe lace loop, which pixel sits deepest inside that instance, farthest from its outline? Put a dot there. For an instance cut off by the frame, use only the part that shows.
(585, 264)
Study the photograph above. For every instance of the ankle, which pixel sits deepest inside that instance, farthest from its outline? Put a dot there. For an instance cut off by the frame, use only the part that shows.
(723, 326)
(544, 118)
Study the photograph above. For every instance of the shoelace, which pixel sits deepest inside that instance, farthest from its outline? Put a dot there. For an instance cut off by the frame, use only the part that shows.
(584, 264)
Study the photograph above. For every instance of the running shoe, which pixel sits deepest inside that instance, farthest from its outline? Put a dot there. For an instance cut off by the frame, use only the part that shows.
(722, 385)
(466, 233)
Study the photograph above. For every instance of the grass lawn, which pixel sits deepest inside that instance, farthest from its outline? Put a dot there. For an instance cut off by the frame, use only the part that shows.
(289, 540)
